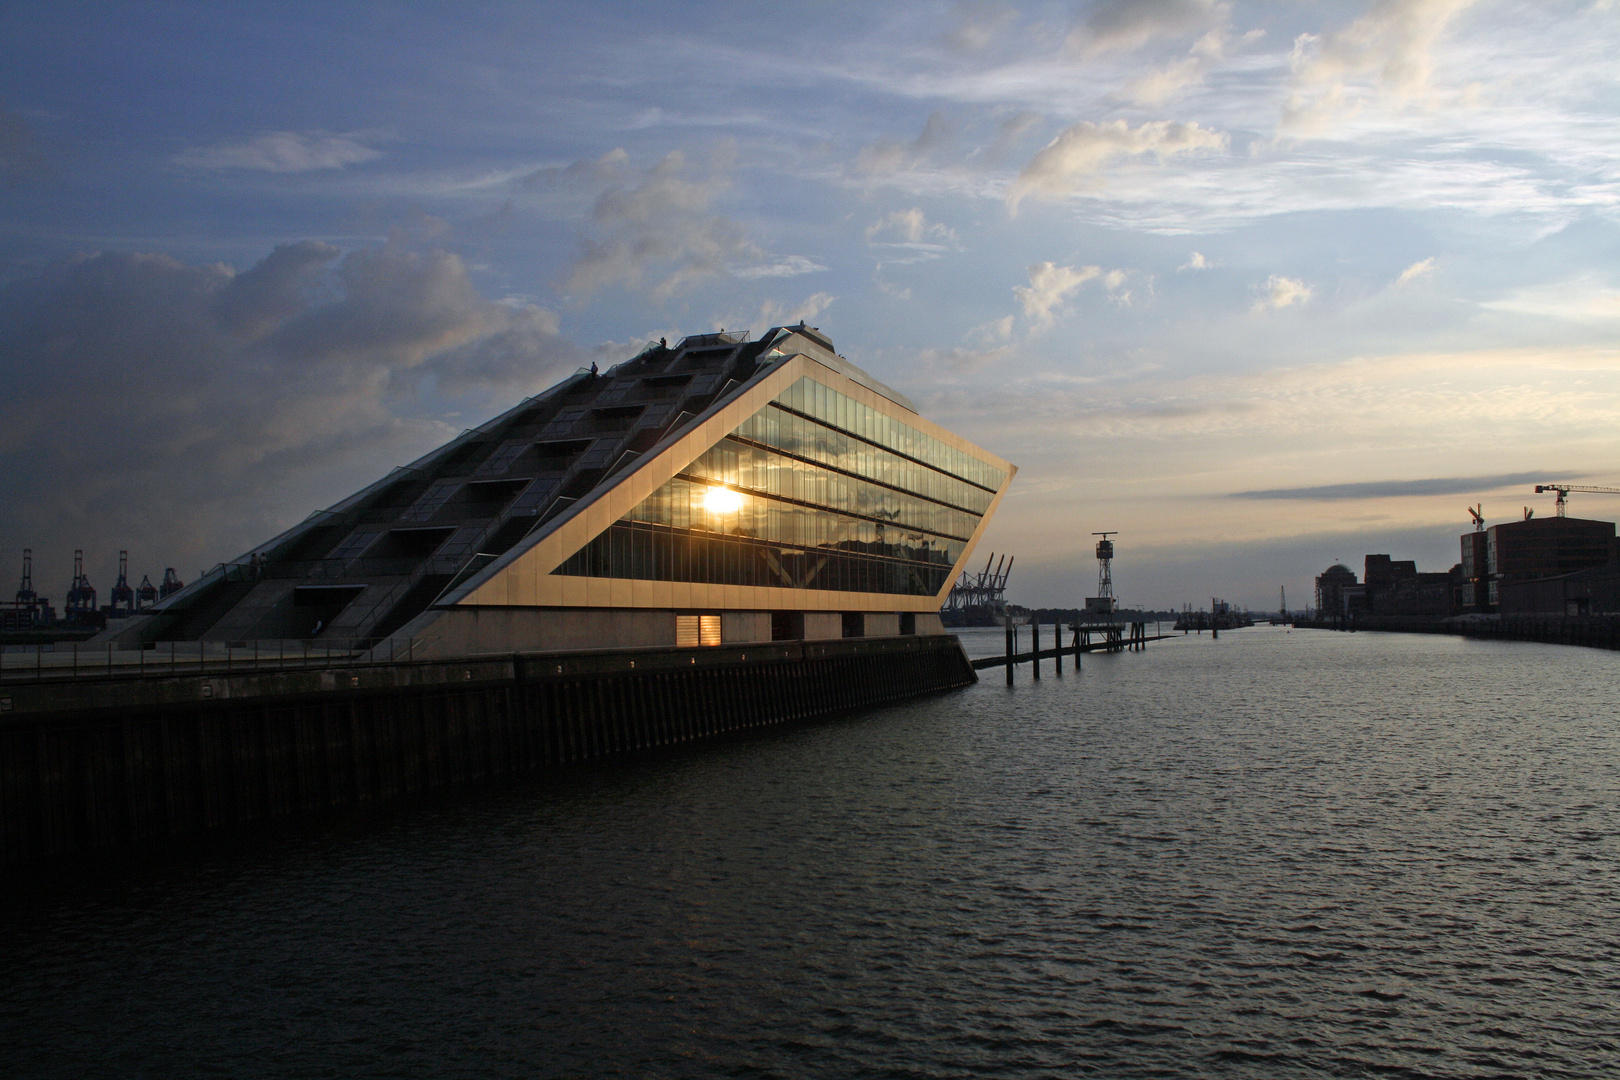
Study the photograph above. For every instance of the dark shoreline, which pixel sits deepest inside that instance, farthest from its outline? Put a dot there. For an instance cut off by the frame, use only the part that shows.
(1600, 632)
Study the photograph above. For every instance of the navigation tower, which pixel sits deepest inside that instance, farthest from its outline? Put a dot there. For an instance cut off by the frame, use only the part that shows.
(1103, 603)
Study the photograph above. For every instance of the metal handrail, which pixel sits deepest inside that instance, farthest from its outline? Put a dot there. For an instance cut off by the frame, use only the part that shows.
(201, 658)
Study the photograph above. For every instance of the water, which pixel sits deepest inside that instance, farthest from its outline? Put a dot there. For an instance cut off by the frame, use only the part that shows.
(1275, 854)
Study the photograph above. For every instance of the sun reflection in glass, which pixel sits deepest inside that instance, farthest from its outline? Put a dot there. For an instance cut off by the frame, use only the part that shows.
(719, 500)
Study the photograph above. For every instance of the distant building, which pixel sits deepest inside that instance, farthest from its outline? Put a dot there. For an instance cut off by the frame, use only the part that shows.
(1384, 575)
(1330, 590)
(1543, 548)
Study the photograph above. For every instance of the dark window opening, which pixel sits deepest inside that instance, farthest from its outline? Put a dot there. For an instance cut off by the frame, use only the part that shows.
(554, 456)
(908, 622)
(502, 539)
(315, 606)
(398, 495)
(486, 498)
(460, 456)
(618, 412)
(660, 381)
(312, 545)
(787, 626)
(408, 543)
(583, 482)
(643, 440)
(854, 624)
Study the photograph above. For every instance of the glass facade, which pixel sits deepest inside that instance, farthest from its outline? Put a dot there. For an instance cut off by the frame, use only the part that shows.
(815, 491)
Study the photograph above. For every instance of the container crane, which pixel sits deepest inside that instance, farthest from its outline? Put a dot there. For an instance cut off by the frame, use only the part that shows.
(123, 597)
(81, 598)
(1563, 491)
(25, 591)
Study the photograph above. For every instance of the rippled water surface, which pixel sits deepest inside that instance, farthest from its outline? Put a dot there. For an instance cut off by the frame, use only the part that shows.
(1275, 854)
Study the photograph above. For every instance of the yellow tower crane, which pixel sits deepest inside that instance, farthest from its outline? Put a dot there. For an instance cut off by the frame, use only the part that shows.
(1564, 490)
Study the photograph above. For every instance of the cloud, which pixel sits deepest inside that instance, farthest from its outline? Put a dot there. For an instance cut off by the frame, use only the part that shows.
(978, 24)
(1281, 292)
(188, 411)
(908, 227)
(1127, 25)
(602, 170)
(22, 156)
(1415, 271)
(907, 236)
(776, 313)
(663, 224)
(1383, 489)
(890, 157)
(780, 266)
(286, 152)
(1387, 53)
(1049, 286)
(1078, 154)
(1196, 262)
(1160, 85)
(1583, 299)
(1008, 133)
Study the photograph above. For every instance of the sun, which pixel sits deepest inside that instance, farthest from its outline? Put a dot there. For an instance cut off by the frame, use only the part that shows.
(719, 500)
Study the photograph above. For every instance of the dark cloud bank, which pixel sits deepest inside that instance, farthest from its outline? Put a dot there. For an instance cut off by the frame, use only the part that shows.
(186, 412)
(1382, 489)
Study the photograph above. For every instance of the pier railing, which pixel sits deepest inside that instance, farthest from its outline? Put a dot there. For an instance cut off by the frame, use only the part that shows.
(1084, 638)
(168, 659)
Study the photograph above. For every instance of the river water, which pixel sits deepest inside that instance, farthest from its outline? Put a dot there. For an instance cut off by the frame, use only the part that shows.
(1285, 854)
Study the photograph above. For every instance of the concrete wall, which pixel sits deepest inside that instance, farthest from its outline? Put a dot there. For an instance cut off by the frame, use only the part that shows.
(742, 627)
(882, 623)
(821, 625)
(469, 631)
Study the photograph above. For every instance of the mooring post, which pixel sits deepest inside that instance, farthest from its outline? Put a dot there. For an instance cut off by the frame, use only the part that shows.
(1035, 648)
(1009, 649)
(1057, 649)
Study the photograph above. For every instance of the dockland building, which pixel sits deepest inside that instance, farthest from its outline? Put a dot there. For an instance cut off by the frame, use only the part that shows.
(716, 491)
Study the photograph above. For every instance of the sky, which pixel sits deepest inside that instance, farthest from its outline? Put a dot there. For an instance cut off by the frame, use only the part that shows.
(1259, 287)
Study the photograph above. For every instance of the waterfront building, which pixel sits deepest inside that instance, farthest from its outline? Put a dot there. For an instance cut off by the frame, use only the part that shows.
(1397, 587)
(1544, 547)
(1330, 590)
(721, 490)
(1578, 595)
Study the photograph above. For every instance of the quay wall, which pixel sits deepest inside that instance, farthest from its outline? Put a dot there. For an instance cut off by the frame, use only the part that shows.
(97, 765)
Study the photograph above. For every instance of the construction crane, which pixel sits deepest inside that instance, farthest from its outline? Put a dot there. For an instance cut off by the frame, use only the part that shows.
(1563, 491)
(1478, 514)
